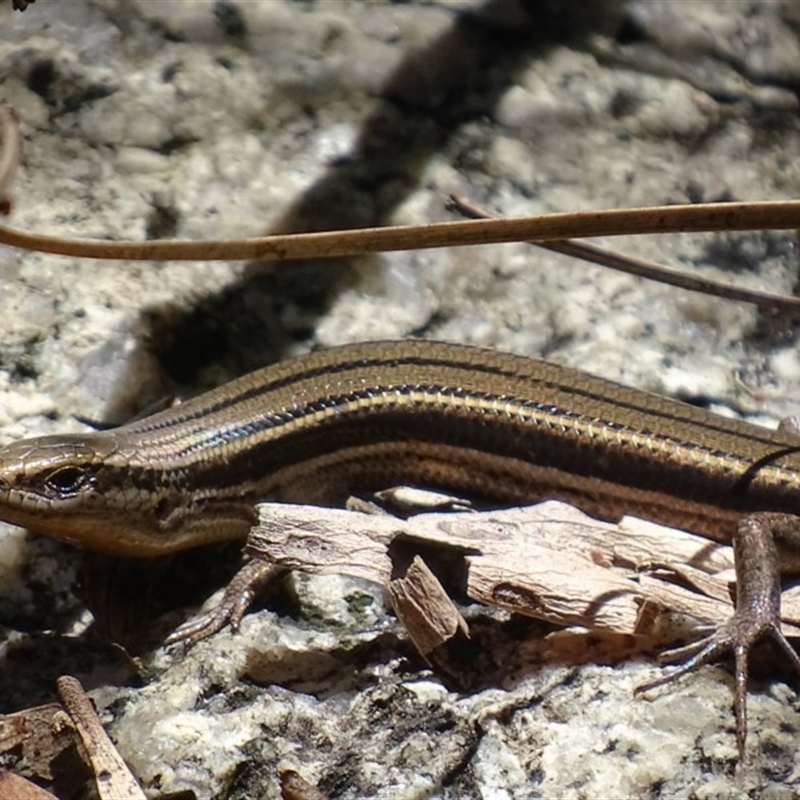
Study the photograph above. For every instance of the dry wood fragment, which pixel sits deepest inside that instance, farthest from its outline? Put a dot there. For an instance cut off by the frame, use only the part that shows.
(39, 743)
(10, 154)
(113, 779)
(19, 788)
(423, 606)
(549, 561)
(295, 787)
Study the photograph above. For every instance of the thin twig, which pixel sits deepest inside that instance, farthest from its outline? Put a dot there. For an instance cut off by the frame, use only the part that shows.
(765, 215)
(10, 156)
(114, 779)
(649, 270)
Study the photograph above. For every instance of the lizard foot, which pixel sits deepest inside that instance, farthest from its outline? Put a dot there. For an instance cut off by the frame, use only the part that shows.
(248, 583)
(739, 634)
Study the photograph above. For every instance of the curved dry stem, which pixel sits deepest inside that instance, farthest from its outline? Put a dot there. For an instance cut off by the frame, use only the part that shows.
(781, 214)
(650, 270)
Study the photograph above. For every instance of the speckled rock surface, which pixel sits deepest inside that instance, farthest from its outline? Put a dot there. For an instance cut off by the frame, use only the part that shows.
(203, 119)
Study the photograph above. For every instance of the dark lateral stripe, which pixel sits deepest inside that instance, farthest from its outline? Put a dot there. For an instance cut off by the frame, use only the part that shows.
(449, 358)
(247, 432)
(257, 458)
(262, 388)
(534, 446)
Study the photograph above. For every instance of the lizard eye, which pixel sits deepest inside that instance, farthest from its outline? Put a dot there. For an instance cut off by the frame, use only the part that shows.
(66, 481)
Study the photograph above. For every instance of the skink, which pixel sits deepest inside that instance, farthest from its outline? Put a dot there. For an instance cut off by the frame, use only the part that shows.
(500, 429)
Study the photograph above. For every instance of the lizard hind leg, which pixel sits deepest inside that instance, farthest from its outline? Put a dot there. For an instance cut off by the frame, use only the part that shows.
(760, 541)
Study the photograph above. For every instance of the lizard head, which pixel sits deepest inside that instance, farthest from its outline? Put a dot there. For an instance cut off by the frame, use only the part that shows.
(84, 490)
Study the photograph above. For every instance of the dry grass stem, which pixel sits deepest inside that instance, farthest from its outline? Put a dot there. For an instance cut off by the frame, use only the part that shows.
(765, 215)
(649, 270)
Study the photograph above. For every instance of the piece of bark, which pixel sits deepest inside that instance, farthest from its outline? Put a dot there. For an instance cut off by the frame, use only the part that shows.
(40, 743)
(19, 788)
(549, 561)
(424, 608)
(295, 787)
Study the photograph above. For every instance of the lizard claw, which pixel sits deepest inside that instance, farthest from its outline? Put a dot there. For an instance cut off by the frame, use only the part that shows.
(248, 582)
(739, 634)
(760, 540)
